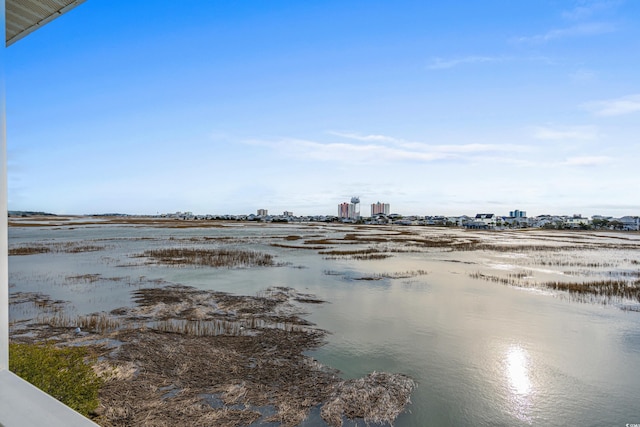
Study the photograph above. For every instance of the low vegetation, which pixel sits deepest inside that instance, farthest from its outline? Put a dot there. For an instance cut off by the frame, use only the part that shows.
(64, 373)
(61, 247)
(605, 291)
(377, 398)
(210, 257)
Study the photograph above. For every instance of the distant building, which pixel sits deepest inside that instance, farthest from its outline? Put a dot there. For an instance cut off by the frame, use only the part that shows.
(482, 221)
(518, 214)
(343, 210)
(630, 223)
(287, 213)
(263, 212)
(576, 221)
(349, 210)
(380, 208)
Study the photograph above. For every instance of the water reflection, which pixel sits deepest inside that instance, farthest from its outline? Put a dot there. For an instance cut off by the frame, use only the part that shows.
(517, 371)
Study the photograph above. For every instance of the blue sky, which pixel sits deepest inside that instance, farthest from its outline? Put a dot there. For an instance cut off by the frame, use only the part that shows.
(227, 107)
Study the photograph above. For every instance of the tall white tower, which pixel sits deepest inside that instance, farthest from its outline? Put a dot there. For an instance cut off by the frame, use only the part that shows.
(354, 208)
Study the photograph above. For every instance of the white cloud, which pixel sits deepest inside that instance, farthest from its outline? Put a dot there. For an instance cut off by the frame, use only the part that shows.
(587, 161)
(588, 8)
(574, 31)
(346, 152)
(381, 148)
(583, 76)
(441, 148)
(440, 64)
(358, 137)
(565, 133)
(615, 107)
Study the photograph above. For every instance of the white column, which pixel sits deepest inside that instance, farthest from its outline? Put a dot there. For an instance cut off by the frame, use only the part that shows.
(4, 254)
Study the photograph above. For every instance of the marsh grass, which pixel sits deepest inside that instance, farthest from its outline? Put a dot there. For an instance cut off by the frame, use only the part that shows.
(83, 278)
(612, 290)
(330, 242)
(61, 247)
(370, 257)
(97, 323)
(210, 257)
(29, 250)
(576, 263)
(605, 291)
(398, 275)
(38, 300)
(221, 327)
(333, 273)
(403, 274)
(93, 278)
(366, 257)
(281, 245)
(351, 252)
(358, 254)
(377, 398)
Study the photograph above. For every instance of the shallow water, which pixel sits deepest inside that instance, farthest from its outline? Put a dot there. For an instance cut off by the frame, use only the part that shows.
(483, 353)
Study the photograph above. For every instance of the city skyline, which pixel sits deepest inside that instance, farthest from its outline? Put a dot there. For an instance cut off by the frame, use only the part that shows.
(221, 107)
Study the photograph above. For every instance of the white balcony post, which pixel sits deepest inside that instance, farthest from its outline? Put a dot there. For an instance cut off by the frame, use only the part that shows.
(4, 253)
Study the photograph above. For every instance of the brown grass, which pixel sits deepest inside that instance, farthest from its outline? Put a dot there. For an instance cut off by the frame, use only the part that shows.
(280, 245)
(611, 289)
(210, 257)
(377, 398)
(353, 252)
(63, 247)
(605, 291)
(98, 323)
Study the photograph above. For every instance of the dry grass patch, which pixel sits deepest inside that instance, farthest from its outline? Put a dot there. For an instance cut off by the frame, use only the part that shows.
(210, 257)
(603, 291)
(377, 398)
(280, 245)
(63, 247)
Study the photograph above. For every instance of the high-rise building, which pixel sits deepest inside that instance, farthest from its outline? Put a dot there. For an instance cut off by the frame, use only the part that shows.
(517, 214)
(262, 212)
(343, 210)
(349, 210)
(380, 208)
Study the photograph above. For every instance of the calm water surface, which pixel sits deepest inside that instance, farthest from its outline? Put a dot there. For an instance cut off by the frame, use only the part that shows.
(483, 353)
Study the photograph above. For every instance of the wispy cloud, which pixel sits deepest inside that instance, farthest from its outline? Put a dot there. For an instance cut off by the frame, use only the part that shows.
(359, 137)
(565, 133)
(583, 76)
(586, 9)
(587, 161)
(615, 107)
(441, 64)
(347, 152)
(581, 30)
(382, 148)
(441, 148)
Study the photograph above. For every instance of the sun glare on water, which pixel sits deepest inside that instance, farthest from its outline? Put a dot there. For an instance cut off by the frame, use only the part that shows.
(517, 371)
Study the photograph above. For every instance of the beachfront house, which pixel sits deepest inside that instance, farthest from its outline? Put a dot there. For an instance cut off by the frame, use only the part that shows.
(483, 221)
(576, 221)
(630, 223)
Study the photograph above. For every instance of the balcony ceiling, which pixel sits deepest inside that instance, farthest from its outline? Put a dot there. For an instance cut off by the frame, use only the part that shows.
(25, 16)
